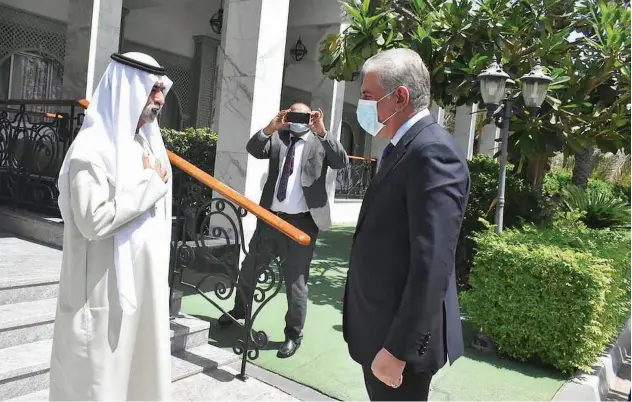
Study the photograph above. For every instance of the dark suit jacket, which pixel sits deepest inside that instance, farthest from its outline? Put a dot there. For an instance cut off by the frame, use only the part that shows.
(401, 289)
(318, 155)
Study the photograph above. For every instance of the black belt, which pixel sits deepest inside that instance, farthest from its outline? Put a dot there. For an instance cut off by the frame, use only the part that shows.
(283, 215)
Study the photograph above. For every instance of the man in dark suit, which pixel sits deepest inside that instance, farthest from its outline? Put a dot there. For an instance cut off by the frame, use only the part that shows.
(401, 315)
(296, 191)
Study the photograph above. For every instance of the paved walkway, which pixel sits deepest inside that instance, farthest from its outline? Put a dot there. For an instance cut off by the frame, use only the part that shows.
(323, 361)
(620, 389)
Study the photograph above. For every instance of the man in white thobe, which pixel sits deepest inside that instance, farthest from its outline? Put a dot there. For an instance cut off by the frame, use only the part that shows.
(111, 339)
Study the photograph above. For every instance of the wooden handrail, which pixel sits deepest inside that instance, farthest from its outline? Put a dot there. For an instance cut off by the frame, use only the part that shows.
(271, 219)
(360, 158)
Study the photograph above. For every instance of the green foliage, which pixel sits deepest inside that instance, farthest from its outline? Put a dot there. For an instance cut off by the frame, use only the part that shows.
(591, 88)
(520, 205)
(613, 168)
(599, 208)
(555, 182)
(198, 146)
(559, 293)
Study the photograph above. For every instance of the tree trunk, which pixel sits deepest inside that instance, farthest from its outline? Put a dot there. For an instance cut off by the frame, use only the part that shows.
(536, 167)
(584, 163)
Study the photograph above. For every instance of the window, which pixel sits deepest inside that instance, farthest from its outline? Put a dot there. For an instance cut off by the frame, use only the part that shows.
(30, 75)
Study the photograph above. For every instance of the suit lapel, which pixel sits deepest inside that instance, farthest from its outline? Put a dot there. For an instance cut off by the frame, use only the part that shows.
(397, 154)
(307, 148)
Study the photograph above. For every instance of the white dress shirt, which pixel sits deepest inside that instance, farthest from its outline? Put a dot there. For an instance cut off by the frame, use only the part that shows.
(406, 126)
(294, 202)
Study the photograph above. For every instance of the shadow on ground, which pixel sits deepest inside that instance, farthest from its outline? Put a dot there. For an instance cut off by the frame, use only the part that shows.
(208, 269)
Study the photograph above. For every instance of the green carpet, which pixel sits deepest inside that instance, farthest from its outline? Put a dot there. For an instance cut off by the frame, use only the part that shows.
(323, 362)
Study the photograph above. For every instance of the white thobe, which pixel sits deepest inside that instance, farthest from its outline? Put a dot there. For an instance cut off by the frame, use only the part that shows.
(100, 353)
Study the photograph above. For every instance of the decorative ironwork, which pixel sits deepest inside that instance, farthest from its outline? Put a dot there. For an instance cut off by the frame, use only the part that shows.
(207, 239)
(353, 180)
(34, 138)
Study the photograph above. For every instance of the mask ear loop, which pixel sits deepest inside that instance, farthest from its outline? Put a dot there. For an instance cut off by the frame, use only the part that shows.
(394, 113)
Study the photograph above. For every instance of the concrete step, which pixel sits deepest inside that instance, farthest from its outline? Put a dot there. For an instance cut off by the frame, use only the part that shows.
(30, 271)
(26, 322)
(25, 366)
(184, 364)
(33, 321)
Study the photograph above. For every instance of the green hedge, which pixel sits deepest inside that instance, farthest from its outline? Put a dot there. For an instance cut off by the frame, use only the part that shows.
(559, 293)
(198, 146)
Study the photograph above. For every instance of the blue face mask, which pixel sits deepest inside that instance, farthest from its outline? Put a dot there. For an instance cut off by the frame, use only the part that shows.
(298, 127)
(367, 116)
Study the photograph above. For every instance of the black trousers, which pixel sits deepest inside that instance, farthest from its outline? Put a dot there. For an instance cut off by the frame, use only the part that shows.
(266, 245)
(414, 387)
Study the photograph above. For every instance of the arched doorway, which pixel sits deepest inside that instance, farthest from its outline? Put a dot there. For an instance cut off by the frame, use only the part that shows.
(171, 116)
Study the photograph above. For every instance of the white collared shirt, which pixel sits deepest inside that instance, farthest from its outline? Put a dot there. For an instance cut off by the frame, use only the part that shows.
(294, 202)
(409, 123)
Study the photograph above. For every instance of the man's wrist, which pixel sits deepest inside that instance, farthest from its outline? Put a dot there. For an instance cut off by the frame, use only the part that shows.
(322, 135)
(268, 131)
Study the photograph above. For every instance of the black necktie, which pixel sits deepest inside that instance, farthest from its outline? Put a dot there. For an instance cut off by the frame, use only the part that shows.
(288, 168)
(387, 151)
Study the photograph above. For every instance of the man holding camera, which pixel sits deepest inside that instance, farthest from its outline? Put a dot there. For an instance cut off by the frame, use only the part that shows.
(300, 151)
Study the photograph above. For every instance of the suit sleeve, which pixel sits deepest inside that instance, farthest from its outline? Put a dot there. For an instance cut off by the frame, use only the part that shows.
(96, 214)
(435, 192)
(260, 145)
(335, 153)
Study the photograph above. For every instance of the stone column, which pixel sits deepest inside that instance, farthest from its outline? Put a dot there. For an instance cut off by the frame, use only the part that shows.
(329, 95)
(488, 144)
(465, 128)
(92, 36)
(203, 84)
(253, 47)
(219, 73)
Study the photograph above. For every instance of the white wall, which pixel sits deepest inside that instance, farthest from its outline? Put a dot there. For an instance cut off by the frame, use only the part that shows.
(305, 74)
(314, 12)
(171, 27)
(345, 212)
(55, 9)
(352, 92)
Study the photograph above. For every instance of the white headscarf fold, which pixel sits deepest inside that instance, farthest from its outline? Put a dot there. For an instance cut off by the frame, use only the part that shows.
(106, 139)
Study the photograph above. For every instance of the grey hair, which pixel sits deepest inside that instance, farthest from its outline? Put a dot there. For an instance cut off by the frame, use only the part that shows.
(401, 67)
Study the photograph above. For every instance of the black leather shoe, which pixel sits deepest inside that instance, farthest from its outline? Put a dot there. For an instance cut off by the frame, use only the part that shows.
(226, 321)
(288, 348)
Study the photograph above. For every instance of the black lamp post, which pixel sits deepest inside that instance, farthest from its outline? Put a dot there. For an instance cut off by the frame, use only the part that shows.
(217, 20)
(298, 51)
(500, 107)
